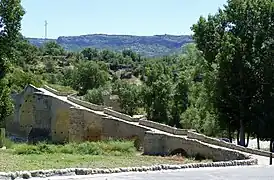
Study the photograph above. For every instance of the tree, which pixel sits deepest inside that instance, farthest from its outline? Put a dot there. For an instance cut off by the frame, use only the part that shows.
(158, 98)
(90, 53)
(51, 48)
(89, 75)
(129, 96)
(228, 39)
(135, 57)
(96, 95)
(199, 114)
(26, 53)
(180, 101)
(11, 13)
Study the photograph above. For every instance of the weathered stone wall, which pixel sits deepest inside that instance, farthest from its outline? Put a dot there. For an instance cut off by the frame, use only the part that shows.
(20, 123)
(163, 127)
(60, 120)
(35, 111)
(77, 125)
(93, 126)
(118, 114)
(214, 141)
(41, 115)
(86, 104)
(85, 125)
(122, 129)
(164, 144)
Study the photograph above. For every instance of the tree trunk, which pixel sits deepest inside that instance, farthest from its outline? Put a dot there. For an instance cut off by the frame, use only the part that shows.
(238, 137)
(241, 108)
(258, 142)
(229, 134)
(242, 133)
(247, 139)
(271, 149)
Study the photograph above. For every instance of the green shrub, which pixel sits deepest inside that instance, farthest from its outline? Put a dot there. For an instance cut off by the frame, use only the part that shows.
(8, 143)
(96, 95)
(115, 148)
(27, 149)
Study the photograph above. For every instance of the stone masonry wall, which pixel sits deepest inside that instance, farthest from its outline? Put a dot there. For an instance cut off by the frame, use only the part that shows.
(20, 123)
(159, 143)
(122, 129)
(93, 129)
(118, 114)
(60, 120)
(41, 111)
(214, 141)
(163, 127)
(86, 104)
(77, 125)
(85, 125)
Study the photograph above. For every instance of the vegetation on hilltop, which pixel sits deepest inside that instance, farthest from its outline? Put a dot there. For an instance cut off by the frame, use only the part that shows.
(149, 46)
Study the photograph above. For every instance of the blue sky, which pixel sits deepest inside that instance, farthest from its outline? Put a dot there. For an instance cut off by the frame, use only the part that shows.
(130, 17)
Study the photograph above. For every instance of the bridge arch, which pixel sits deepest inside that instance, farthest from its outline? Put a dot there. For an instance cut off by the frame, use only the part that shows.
(178, 151)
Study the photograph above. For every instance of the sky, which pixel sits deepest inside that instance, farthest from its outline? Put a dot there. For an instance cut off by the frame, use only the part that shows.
(127, 17)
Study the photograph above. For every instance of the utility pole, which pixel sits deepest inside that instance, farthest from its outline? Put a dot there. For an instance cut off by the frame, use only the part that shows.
(46, 29)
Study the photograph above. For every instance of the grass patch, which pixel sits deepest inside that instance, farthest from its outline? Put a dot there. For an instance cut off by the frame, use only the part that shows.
(105, 154)
(14, 162)
(64, 89)
(115, 148)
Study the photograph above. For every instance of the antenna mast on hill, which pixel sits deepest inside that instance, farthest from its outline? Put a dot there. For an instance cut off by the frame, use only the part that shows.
(46, 29)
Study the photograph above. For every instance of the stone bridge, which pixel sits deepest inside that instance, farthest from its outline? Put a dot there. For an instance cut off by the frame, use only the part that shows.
(46, 114)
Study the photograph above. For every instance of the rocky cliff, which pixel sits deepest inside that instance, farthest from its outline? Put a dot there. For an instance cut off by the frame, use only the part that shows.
(157, 45)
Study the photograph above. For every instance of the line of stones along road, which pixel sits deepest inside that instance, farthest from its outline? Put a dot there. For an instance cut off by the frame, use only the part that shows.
(89, 171)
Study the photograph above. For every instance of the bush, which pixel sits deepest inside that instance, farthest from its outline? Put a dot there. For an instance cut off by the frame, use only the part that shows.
(8, 143)
(96, 96)
(129, 96)
(18, 79)
(116, 148)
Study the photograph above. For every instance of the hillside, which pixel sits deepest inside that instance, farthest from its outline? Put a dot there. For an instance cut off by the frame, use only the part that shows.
(150, 46)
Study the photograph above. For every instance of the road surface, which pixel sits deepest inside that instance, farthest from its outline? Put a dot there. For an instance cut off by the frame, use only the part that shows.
(228, 173)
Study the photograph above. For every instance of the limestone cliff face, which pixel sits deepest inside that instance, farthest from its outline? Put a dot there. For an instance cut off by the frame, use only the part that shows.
(151, 46)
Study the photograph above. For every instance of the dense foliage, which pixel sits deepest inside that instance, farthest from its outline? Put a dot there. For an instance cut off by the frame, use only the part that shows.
(238, 43)
(11, 14)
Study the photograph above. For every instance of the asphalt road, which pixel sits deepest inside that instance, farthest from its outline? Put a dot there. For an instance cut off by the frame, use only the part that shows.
(228, 173)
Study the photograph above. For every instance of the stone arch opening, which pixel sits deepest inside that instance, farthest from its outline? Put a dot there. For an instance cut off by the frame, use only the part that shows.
(178, 152)
(39, 135)
(199, 157)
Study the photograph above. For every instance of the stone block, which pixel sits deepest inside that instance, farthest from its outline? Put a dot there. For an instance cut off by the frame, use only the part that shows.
(2, 137)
